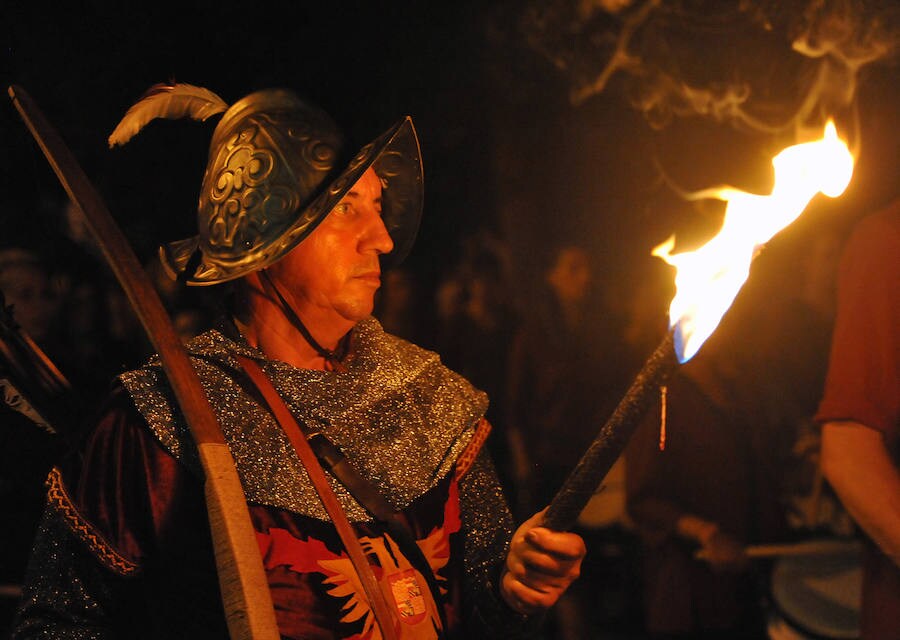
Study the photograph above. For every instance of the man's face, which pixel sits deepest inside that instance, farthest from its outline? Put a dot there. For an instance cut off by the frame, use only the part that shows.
(334, 273)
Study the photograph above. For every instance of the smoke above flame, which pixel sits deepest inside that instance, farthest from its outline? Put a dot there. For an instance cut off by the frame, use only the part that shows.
(768, 67)
(716, 59)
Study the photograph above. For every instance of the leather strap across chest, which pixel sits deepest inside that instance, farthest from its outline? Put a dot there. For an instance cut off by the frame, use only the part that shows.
(383, 614)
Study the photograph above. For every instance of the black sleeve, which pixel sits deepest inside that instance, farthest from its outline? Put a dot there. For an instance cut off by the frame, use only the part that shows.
(67, 593)
(123, 550)
(488, 528)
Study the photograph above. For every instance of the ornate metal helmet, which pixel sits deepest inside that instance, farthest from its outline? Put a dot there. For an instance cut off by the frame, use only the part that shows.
(277, 166)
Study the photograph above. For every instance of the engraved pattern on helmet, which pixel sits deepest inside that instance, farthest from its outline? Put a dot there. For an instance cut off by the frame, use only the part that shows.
(235, 195)
(255, 194)
(320, 155)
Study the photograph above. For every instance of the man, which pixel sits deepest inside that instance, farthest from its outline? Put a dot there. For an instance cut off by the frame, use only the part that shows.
(124, 549)
(27, 298)
(562, 367)
(560, 383)
(712, 490)
(860, 410)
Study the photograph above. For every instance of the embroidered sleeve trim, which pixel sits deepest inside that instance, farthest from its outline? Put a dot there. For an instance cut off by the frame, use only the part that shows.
(59, 499)
(467, 458)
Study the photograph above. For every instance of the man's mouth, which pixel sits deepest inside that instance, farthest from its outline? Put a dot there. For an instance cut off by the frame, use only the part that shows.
(370, 276)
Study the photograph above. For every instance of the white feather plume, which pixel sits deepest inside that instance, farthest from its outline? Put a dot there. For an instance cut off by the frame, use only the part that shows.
(170, 101)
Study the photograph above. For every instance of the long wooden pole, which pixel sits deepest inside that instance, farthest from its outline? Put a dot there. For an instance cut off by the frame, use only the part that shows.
(245, 590)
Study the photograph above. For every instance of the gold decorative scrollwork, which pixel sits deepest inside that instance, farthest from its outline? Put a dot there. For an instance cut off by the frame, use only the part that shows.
(59, 499)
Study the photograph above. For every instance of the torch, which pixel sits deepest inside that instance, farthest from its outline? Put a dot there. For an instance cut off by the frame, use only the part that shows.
(707, 281)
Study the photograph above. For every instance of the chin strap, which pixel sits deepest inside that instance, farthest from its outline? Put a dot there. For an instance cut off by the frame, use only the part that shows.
(333, 358)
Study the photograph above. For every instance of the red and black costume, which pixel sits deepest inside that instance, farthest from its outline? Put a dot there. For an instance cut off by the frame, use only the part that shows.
(124, 549)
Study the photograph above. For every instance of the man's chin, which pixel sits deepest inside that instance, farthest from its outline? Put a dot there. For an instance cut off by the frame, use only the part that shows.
(357, 311)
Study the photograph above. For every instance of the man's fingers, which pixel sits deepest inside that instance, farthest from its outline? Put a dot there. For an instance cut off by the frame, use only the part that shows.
(540, 563)
(526, 599)
(565, 546)
(543, 573)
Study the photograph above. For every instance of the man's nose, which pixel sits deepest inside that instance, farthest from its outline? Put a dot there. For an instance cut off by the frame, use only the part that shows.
(376, 236)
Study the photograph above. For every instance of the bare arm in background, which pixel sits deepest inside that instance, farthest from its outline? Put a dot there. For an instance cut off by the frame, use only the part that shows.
(856, 463)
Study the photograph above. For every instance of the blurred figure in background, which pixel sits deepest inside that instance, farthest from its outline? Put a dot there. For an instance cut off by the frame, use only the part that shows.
(27, 283)
(564, 378)
(561, 376)
(476, 327)
(395, 305)
(699, 494)
(26, 451)
(68, 305)
(733, 413)
(860, 410)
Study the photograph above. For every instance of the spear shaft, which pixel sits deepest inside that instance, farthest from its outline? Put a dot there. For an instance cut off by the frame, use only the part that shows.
(245, 590)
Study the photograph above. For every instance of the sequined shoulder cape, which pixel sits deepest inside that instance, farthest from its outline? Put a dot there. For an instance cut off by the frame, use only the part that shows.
(123, 550)
(399, 415)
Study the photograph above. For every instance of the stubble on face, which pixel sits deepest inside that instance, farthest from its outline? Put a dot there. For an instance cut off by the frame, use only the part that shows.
(335, 271)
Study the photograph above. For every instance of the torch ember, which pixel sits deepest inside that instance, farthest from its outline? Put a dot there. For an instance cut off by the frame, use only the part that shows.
(707, 282)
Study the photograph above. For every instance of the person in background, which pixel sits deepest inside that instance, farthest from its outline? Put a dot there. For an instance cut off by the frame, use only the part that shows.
(733, 413)
(27, 451)
(476, 327)
(27, 283)
(560, 383)
(860, 410)
(563, 381)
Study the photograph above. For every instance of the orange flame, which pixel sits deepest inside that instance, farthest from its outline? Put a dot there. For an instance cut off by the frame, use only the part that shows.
(708, 280)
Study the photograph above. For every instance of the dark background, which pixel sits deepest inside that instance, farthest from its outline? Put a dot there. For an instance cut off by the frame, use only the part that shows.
(489, 85)
(518, 139)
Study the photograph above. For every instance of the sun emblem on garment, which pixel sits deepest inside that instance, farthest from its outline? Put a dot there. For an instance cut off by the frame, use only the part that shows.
(404, 587)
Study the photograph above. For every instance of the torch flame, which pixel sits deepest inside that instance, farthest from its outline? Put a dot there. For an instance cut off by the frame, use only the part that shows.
(708, 280)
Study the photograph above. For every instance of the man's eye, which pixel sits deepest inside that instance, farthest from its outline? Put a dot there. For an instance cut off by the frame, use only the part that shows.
(343, 208)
